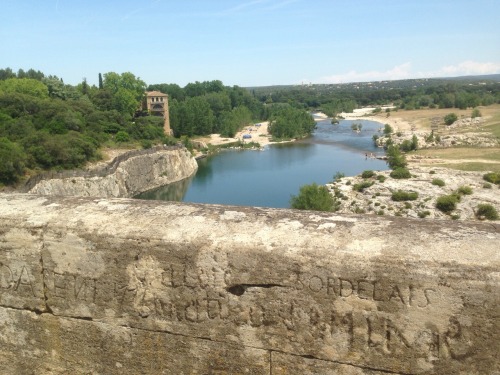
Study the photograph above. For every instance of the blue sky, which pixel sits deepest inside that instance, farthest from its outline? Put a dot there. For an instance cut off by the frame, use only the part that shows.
(251, 42)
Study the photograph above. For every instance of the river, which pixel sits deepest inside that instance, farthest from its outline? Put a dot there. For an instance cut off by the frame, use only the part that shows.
(268, 178)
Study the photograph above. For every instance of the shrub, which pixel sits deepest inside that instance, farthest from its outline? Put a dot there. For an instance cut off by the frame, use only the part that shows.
(387, 129)
(406, 145)
(12, 159)
(487, 185)
(486, 211)
(464, 190)
(400, 196)
(122, 136)
(400, 173)
(432, 172)
(438, 182)
(381, 178)
(367, 174)
(146, 143)
(313, 197)
(423, 214)
(408, 205)
(338, 176)
(380, 212)
(450, 118)
(492, 177)
(447, 203)
(362, 186)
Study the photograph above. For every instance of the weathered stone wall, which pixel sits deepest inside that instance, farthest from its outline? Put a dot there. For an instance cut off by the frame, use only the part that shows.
(133, 175)
(118, 286)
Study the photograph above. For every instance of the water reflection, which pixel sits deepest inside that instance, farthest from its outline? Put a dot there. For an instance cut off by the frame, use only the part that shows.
(172, 192)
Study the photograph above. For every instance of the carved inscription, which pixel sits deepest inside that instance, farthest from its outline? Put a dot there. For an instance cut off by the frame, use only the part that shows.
(71, 287)
(367, 289)
(16, 279)
(322, 310)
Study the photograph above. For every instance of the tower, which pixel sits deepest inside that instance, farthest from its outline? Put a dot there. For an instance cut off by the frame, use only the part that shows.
(157, 104)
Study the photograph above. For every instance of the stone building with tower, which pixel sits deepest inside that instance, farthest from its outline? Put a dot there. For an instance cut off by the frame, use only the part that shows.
(157, 105)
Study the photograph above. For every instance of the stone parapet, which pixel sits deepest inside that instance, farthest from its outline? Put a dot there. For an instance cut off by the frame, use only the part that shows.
(119, 286)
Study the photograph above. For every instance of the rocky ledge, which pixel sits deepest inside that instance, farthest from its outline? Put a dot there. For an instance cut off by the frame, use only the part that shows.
(125, 176)
(429, 184)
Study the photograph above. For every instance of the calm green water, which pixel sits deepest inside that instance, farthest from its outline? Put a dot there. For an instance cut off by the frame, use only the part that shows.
(268, 178)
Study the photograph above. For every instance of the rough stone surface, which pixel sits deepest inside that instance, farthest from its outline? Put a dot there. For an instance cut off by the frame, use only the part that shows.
(133, 176)
(377, 199)
(119, 286)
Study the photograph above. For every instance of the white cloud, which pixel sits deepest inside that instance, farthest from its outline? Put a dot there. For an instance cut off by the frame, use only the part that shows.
(470, 68)
(404, 71)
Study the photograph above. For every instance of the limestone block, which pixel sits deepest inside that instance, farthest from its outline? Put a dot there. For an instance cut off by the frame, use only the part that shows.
(50, 345)
(305, 292)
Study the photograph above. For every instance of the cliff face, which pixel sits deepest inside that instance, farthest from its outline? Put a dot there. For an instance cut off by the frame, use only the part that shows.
(129, 176)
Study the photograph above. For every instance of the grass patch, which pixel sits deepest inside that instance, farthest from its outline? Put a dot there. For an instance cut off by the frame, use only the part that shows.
(471, 166)
(464, 190)
(438, 182)
(400, 173)
(486, 211)
(447, 203)
(494, 178)
(368, 174)
(401, 196)
(362, 186)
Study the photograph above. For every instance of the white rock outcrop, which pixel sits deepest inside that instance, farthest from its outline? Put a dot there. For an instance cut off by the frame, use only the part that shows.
(129, 176)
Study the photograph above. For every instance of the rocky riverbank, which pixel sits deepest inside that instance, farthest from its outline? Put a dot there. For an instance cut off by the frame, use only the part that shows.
(125, 176)
(429, 184)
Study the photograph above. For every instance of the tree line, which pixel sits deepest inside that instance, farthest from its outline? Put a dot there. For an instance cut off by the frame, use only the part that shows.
(47, 124)
(405, 94)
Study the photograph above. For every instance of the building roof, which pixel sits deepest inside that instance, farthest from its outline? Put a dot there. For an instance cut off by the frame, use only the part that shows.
(155, 93)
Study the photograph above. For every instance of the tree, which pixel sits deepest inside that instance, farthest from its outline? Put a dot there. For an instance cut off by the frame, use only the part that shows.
(450, 118)
(395, 158)
(127, 91)
(233, 121)
(26, 86)
(313, 197)
(101, 85)
(289, 122)
(388, 129)
(13, 158)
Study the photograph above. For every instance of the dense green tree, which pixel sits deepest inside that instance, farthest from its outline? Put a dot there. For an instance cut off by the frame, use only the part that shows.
(395, 158)
(313, 197)
(6, 74)
(12, 159)
(173, 90)
(288, 122)
(126, 89)
(219, 103)
(26, 86)
(450, 118)
(233, 121)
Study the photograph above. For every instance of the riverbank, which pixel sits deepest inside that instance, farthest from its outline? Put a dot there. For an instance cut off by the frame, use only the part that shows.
(258, 133)
(429, 183)
(448, 158)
